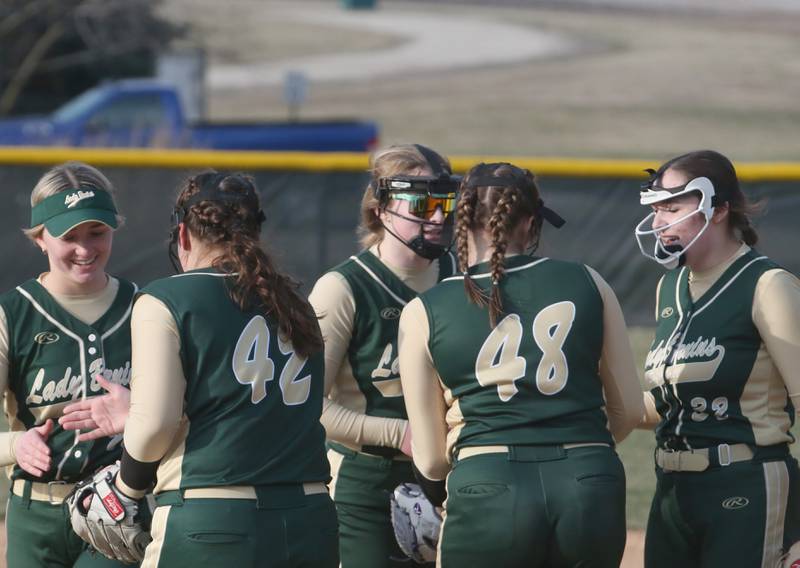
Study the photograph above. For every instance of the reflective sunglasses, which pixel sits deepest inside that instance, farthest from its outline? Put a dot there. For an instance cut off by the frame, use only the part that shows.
(424, 205)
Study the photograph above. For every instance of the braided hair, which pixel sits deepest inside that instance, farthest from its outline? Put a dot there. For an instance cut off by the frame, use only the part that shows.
(233, 225)
(497, 210)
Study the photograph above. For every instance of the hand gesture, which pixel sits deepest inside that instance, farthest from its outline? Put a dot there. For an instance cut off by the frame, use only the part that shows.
(99, 416)
(32, 451)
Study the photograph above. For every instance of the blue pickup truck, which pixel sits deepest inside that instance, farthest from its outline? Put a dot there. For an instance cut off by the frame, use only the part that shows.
(142, 113)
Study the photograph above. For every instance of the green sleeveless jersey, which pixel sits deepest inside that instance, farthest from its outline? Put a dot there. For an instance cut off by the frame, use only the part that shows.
(253, 405)
(379, 298)
(53, 358)
(700, 363)
(533, 379)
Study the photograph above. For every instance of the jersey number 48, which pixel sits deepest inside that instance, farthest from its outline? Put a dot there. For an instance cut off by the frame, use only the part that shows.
(499, 362)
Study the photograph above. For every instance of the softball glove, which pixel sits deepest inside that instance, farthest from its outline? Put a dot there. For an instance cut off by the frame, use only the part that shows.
(416, 523)
(111, 523)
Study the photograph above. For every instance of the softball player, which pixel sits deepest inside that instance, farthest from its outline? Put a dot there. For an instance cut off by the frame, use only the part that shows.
(225, 407)
(722, 372)
(406, 231)
(57, 332)
(518, 380)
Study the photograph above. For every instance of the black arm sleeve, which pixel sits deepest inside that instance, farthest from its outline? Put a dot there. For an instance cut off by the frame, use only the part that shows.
(435, 491)
(135, 474)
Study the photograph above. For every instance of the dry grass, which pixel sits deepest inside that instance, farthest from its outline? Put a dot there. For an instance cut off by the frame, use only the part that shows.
(639, 86)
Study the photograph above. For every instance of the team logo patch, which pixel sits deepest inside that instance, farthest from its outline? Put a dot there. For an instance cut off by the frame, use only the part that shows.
(390, 313)
(74, 198)
(733, 503)
(667, 312)
(46, 337)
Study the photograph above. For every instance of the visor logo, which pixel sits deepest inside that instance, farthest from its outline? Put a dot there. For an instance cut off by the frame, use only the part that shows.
(667, 312)
(74, 198)
(733, 503)
(46, 337)
(390, 313)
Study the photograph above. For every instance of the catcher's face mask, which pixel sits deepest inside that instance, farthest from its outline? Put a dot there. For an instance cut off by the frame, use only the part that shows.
(672, 255)
(425, 196)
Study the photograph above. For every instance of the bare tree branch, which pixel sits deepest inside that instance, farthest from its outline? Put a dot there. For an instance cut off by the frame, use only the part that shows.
(21, 15)
(28, 66)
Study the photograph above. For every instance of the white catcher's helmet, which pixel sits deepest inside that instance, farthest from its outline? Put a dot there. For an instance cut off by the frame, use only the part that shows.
(416, 523)
(671, 256)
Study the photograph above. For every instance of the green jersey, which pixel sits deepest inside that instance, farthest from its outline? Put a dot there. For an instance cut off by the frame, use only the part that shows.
(53, 358)
(533, 379)
(700, 365)
(252, 403)
(379, 297)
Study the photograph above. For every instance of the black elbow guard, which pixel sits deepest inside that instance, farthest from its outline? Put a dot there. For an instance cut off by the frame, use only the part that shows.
(138, 475)
(435, 491)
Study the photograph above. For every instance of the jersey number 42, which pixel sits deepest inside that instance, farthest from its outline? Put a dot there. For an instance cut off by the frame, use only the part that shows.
(253, 366)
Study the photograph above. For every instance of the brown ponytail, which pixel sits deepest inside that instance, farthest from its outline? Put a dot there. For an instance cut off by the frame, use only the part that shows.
(497, 210)
(233, 226)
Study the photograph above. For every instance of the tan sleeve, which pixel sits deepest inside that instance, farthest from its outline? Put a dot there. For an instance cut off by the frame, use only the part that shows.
(423, 394)
(651, 417)
(623, 393)
(776, 314)
(7, 439)
(158, 383)
(335, 306)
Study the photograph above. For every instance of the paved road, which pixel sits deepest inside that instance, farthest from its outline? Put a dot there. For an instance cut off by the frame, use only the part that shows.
(434, 41)
(430, 42)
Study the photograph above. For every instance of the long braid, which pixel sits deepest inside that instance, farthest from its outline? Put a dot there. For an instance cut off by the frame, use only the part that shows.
(234, 228)
(499, 226)
(494, 212)
(465, 218)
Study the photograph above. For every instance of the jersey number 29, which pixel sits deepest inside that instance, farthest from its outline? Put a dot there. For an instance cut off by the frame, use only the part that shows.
(499, 362)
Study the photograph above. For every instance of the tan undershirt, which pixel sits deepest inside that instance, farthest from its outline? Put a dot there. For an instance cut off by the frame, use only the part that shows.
(158, 385)
(343, 411)
(87, 308)
(424, 392)
(776, 315)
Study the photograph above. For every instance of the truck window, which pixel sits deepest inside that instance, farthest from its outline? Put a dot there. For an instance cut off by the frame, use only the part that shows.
(75, 108)
(137, 111)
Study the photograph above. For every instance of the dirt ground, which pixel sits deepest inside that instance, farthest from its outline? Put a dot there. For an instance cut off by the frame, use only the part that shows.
(634, 551)
(640, 85)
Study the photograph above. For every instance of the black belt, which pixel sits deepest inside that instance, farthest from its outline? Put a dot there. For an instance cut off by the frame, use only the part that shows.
(381, 451)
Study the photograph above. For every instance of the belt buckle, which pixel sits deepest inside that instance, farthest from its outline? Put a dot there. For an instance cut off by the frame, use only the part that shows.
(724, 449)
(50, 485)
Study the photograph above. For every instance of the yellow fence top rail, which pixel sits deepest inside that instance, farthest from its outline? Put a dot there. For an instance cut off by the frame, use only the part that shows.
(352, 162)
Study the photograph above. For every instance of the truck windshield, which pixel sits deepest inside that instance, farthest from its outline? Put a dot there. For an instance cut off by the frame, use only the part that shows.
(75, 108)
